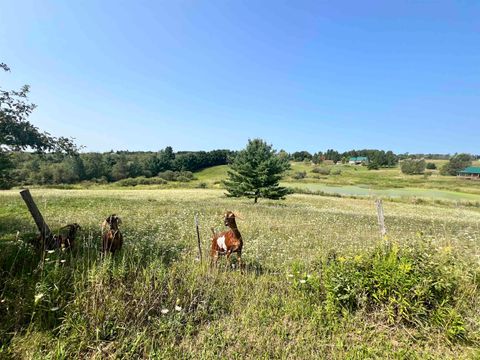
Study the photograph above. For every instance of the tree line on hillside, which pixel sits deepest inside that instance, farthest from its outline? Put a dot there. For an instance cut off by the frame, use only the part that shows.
(27, 168)
(63, 168)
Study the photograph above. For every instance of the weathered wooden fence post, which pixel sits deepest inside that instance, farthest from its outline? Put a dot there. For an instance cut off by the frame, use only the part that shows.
(381, 217)
(198, 238)
(42, 226)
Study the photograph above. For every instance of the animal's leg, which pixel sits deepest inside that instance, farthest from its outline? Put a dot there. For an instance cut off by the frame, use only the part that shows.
(214, 257)
(241, 265)
(228, 258)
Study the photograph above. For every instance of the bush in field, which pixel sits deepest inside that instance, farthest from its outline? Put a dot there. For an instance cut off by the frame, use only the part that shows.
(412, 166)
(414, 286)
(182, 176)
(336, 171)
(431, 166)
(141, 180)
(322, 170)
(300, 175)
(456, 164)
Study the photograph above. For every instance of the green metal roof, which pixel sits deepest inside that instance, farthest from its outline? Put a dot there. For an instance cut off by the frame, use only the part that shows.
(471, 170)
(359, 158)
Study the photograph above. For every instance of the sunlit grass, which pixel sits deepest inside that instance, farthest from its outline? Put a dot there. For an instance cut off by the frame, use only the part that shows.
(155, 299)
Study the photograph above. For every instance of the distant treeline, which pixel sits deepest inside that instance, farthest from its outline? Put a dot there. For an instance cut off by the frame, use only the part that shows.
(56, 168)
(380, 158)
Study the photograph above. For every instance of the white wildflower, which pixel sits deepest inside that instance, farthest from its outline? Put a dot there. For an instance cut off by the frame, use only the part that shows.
(164, 311)
(178, 308)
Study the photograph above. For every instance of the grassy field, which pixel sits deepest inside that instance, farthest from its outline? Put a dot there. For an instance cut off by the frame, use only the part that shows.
(349, 180)
(389, 178)
(319, 280)
(343, 180)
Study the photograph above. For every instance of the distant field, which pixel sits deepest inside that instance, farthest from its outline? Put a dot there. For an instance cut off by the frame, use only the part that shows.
(155, 300)
(384, 178)
(359, 181)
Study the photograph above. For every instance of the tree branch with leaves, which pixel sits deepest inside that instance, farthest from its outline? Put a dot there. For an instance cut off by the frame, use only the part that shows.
(17, 133)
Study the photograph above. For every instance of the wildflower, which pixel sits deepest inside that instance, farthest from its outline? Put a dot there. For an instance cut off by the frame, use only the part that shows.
(38, 297)
(50, 251)
(54, 308)
(164, 311)
(178, 308)
(303, 281)
(63, 260)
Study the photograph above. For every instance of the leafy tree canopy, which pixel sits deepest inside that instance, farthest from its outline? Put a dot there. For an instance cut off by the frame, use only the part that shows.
(457, 163)
(16, 132)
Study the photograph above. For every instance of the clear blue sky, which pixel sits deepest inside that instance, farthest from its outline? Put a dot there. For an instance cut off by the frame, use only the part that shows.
(201, 75)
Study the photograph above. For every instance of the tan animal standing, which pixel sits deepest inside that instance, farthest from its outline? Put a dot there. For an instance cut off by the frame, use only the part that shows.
(227, 242)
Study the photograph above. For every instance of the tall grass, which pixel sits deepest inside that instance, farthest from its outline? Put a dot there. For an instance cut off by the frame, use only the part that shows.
(319, 281)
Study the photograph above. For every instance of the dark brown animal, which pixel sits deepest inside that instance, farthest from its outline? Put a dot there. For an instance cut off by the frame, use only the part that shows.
(227, 242)
(67, 241)
(112, 240)
(60, 241)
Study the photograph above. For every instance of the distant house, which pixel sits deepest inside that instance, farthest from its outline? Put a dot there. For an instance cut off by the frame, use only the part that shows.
(358, 160)
(471, 172)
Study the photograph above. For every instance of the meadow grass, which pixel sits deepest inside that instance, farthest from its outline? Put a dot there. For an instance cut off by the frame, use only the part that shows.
(384, 178)
(320, 282)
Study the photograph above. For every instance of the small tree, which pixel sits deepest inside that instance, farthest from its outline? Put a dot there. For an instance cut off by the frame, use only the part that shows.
(256, 171)
(456, 164)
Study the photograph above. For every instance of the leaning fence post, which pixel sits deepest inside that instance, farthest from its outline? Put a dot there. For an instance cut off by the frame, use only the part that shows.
(381, 217)
(198, 238)
(42, 226)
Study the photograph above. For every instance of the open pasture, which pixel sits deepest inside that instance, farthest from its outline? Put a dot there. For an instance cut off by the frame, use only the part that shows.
(153, 299)
(351, 180)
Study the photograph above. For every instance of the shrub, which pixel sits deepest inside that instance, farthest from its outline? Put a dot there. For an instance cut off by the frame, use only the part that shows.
(321, 170)
(335, 171)
(168, 175)
(431, 166)
(412, 166)
(415, 286)
(300, 175)
(141, 181)
(182, 176)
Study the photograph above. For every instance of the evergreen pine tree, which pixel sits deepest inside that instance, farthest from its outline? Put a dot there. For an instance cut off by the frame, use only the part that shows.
(256, 171)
